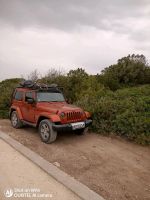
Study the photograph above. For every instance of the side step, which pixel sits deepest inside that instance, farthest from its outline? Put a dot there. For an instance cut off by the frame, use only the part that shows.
(28, 123)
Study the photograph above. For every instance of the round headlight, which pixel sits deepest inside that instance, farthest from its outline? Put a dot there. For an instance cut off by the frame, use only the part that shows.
(62, 115)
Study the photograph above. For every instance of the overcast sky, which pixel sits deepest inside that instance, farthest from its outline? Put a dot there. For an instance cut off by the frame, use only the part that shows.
(93, 34)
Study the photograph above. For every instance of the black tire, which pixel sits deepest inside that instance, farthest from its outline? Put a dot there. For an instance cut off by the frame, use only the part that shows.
(47, 134)
(81, 131)
(15, 121)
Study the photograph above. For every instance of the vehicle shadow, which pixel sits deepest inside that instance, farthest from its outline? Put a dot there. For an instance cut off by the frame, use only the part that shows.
(62, 137)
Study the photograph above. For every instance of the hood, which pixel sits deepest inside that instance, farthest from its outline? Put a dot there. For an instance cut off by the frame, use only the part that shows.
(56, 107)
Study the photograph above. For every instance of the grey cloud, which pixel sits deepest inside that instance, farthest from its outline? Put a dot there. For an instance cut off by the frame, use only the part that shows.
(68, 14)
(90, 33)
(141, 36)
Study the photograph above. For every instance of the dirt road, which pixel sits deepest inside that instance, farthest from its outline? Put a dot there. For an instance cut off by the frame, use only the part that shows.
(114, 168)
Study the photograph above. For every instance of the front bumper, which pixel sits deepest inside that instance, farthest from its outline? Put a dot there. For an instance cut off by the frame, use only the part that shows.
(68, 127)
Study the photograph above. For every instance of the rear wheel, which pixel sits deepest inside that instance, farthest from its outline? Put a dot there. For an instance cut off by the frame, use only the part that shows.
(15, 121)
(47, 134)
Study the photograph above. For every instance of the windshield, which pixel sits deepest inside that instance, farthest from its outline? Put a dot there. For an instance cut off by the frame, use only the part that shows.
(50, 97)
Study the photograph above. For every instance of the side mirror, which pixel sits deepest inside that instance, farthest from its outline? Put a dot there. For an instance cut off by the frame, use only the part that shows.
(30, 101)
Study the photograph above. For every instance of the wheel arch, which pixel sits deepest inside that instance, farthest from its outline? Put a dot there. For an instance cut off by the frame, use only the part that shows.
(17, 109)
(40, 119)
(10, 112)
(53, 118)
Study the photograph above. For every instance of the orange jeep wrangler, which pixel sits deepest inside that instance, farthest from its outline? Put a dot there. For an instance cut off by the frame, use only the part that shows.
(45, 107)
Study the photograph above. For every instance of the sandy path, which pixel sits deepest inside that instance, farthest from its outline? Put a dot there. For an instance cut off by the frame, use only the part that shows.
(114, 168)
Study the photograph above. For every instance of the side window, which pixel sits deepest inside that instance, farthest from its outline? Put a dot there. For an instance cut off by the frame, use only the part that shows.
(28, 95)
(18, 96)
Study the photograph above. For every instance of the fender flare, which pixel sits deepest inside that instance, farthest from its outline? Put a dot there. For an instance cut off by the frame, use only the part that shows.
(55, 118)
(52, 117)
(17, 109)
(88, 115)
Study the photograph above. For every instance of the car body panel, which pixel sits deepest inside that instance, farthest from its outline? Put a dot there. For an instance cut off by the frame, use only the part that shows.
(56, 112)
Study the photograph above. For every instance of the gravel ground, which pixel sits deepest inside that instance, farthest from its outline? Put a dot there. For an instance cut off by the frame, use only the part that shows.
(113, 167)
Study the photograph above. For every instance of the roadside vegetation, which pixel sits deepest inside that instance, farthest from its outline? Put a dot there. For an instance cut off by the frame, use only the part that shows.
(118, 97)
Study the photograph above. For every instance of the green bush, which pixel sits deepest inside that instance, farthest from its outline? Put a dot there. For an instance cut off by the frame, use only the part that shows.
(125, 112)
(6, 89)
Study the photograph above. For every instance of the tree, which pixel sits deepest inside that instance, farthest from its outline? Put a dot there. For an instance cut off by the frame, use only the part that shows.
(34, 75)
(76, 83)
(54, 76)
(130, 70)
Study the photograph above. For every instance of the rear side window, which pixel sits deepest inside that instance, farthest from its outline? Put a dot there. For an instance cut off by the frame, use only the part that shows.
(18, 96)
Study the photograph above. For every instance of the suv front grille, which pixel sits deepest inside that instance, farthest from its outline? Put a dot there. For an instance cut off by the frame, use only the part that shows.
(74, 116)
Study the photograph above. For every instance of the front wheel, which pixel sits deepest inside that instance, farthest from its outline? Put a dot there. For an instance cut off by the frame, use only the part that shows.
(47, 134)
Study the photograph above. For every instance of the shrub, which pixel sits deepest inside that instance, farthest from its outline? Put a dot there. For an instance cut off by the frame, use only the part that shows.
(6, 89)
(125, 112)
